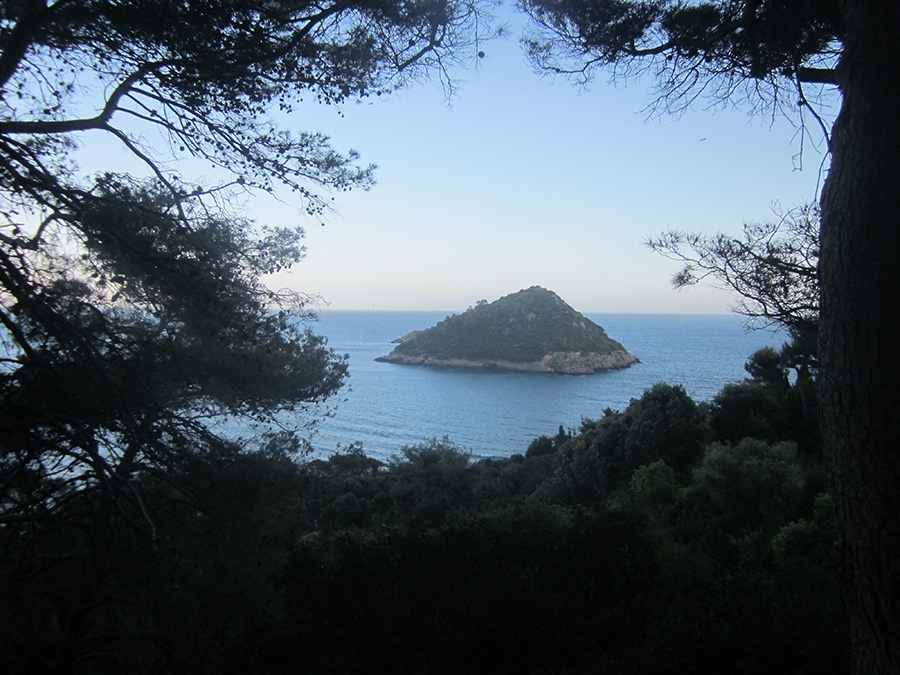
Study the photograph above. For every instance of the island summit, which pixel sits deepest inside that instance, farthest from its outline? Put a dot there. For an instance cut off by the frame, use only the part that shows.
(533, 330)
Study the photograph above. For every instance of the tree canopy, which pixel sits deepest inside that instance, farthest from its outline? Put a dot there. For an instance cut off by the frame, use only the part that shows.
(715, 47)
(137, 332)
(772, 53)
(772, 266)
(133, 306)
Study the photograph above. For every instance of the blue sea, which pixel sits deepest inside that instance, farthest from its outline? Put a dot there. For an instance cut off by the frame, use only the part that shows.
(495, 414)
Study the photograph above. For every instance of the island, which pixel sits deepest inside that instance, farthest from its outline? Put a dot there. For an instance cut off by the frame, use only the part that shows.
(532, 330)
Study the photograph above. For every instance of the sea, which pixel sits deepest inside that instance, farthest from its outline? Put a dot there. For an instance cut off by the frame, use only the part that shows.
(388, 406)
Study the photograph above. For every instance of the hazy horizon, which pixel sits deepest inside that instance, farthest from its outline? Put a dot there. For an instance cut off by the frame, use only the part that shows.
(324, 309)
(522, 180)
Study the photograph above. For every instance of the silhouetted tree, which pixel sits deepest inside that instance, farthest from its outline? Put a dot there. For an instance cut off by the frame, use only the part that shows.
(133, 313)
(664, 423)
(772, 267)
(771, 52)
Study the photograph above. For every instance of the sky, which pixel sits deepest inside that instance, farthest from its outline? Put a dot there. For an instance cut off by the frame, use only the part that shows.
(523, 180)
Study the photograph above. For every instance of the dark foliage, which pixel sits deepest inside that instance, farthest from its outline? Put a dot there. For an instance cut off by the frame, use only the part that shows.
(508, 591)
(776, 55)
(133, 311)
(435, 563)
(715, 47)
(779, 402)
(772, 268)
(134, 539)
(135, 324)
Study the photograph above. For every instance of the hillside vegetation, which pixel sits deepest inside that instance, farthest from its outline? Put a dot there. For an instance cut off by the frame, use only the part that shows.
(670, 537)
(533, 329)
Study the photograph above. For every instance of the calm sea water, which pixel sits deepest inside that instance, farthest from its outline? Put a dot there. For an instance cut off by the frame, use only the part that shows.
(387, 406)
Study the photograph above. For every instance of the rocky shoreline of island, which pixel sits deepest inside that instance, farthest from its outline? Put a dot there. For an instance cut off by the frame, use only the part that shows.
(563, 363)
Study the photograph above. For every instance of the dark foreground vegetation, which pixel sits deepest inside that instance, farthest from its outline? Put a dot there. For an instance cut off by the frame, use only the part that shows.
(669, 537)
(666, 537)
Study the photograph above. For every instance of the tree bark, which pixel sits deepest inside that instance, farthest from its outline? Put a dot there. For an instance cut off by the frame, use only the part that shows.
(860, 330)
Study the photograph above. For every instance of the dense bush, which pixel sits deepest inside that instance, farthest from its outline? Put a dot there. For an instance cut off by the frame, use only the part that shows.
(636, 545)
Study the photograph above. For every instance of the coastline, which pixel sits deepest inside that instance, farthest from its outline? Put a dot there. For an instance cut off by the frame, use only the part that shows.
(563, 363)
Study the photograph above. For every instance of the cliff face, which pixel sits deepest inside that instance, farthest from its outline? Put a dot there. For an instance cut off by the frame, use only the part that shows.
(532, 330)
(584, 363)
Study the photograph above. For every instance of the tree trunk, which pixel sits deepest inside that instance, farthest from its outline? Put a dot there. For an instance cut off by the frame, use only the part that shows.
(860, 330)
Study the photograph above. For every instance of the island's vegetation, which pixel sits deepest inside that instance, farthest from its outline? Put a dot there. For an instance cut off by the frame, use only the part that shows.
(533, 329)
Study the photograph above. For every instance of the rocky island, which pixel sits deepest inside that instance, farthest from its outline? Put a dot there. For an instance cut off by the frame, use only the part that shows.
(532, 330)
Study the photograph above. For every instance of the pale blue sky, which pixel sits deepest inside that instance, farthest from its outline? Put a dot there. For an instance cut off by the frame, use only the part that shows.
(523, 180)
